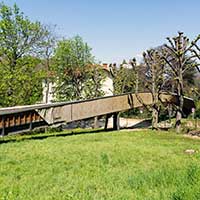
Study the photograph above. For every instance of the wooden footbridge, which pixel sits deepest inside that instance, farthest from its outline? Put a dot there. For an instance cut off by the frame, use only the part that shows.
(23, 118)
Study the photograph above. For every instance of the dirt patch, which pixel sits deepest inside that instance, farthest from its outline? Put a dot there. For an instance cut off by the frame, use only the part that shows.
(134, 129)
(131, 123)
(192, 136)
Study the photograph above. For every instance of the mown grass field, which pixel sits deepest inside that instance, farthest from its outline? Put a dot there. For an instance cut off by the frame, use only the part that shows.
(113, 165)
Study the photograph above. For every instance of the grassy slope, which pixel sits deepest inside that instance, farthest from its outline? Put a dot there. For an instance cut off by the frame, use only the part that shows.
(113, 165)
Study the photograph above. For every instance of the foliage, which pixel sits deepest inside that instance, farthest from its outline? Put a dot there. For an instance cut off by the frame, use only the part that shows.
(197, 112)
(115, 165)
(20, 42)
(93, 84)
(73, 63)
(124, 78)
(193, 86)
(22, 85)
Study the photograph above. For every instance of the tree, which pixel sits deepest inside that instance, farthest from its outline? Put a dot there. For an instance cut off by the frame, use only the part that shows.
(47, 51)
(93, 84)
(179, 55)
(73, 60)
(124, 78)
(20, 41)
(139, 70)
(155, 81)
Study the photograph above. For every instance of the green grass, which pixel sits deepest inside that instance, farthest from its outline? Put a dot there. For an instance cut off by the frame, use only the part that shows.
(113, 165)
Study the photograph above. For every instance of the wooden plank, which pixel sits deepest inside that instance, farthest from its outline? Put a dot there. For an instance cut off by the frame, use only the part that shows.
(3, 131)
(12, 120)
(18, 121)
(1, 122)
(6, 121)
(31, 124)
(34, 117)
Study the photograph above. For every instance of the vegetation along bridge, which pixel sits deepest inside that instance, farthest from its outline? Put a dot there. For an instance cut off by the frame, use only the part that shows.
(23, 118)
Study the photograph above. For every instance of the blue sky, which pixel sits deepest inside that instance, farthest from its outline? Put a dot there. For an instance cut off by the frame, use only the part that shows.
(117, 29)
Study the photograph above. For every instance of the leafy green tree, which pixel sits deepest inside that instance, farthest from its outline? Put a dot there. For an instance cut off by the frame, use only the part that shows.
(124, 78)
(94, 82)
(24, 86)
(20, 43)
(73, 60)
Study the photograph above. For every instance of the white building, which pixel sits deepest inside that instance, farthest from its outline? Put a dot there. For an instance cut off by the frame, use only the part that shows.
(48, 95)
(107, 86)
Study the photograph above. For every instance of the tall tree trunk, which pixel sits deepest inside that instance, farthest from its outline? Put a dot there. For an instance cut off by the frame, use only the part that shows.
(137, 82)
(155, 100)
(155, 111)
(179, 114)
(180, 103)
(155, 118)
(170, 112)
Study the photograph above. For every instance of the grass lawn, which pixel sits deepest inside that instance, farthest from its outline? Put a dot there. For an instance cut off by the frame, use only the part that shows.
(113, 165)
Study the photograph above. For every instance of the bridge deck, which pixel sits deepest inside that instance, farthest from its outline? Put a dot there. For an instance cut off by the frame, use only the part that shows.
(21, 118)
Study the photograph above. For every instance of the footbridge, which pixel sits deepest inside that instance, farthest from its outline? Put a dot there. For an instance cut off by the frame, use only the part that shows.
(24, 118)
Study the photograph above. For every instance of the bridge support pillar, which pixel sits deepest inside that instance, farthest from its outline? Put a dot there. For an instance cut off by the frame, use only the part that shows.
(106, 123)
(116, 125)
(3, 132)
(96, 124)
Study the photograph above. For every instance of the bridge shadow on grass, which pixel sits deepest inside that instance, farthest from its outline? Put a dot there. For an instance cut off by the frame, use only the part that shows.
(19, 138)
(140, 125)
(24, 137)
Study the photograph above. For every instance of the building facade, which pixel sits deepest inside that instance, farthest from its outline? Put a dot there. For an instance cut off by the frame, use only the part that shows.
(49, 95)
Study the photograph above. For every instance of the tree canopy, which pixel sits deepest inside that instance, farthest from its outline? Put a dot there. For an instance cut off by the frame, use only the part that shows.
(20, 43)
(76, 76)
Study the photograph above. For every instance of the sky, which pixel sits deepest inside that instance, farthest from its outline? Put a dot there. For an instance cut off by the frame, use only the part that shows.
(116, 29)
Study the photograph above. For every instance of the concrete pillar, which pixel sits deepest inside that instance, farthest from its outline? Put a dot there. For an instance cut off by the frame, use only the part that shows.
(116, 125)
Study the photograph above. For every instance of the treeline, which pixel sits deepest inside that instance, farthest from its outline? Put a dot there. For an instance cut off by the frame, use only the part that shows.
(172, 67)
(31, 54)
